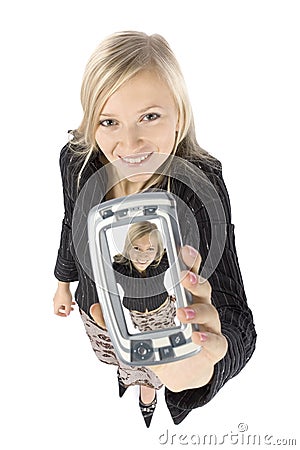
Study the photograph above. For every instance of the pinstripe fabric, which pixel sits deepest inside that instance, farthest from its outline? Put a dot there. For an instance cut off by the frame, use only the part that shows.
(228, 295)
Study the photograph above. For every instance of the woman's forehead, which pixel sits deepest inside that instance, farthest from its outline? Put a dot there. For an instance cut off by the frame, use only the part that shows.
(137, 95)
(146, 239)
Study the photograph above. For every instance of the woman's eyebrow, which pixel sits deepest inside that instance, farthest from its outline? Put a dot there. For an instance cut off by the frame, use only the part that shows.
(149, 107)
(106, 114)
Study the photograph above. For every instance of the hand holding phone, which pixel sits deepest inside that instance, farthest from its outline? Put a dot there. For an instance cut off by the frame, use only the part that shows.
(135, 244)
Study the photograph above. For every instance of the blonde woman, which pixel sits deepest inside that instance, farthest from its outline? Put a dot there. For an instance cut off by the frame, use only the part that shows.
(144, 257)
(136, 111)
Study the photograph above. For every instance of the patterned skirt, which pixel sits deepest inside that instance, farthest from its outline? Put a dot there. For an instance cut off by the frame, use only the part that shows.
(163, 317)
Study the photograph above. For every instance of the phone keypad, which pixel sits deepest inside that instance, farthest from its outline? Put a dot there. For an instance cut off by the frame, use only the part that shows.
(166, 352)
(177, 339)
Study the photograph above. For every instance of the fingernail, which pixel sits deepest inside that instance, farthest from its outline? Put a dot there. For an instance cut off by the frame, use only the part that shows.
(203, 337)
(193, 278)
(189, 313)
(192, 251)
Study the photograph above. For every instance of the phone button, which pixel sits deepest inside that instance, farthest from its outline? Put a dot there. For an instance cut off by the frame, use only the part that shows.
(166, 352)
(177, 339)
(141, 351)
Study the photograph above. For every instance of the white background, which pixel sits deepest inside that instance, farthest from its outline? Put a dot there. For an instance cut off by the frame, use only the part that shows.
(241, 64)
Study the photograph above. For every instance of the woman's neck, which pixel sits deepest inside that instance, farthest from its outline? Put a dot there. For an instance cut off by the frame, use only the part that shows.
(121, 188)
(142, 272)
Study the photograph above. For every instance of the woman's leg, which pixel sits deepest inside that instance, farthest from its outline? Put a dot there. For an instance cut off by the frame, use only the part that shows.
(105, 352)
(147, 394)
(160, 318)
(127, 375)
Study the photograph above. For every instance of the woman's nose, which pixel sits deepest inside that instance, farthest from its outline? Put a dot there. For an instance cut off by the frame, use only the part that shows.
(130, 141)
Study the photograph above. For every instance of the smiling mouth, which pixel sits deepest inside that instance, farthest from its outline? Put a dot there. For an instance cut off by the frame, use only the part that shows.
(137, 159)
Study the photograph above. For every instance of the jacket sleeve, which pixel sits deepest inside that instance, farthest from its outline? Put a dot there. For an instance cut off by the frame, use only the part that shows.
(65, 267)
(229, 298)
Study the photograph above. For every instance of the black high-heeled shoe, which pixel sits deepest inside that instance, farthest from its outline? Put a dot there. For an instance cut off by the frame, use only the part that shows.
(122, 387)
(147, 410)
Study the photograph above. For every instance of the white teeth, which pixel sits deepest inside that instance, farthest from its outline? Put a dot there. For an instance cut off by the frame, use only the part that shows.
(136, 160)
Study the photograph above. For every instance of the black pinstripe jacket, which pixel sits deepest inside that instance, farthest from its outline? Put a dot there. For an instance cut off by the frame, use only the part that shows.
(228, 295)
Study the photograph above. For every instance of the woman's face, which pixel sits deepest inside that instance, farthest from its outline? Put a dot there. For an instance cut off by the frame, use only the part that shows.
(137, 127)
(143, 252)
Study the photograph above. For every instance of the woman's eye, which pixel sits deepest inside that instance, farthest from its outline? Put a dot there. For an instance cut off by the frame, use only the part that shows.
(150, 117)
(107, 123)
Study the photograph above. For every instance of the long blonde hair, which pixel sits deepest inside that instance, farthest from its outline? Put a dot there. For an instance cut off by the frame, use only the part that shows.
(117, 59)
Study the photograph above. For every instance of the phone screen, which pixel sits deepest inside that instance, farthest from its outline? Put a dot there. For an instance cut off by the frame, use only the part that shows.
(145, 262)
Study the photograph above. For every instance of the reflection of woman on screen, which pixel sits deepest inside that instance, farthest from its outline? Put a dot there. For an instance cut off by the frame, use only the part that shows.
(140, 270)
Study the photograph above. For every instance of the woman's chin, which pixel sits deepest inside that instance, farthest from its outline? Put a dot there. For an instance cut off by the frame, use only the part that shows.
(140, 173)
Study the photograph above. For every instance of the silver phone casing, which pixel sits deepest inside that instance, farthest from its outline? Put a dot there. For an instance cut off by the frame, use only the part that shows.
(166, 345)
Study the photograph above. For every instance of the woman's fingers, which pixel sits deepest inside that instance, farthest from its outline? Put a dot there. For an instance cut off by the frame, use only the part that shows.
(197, 369)
(68, 309)
(191, 258)
(61, 314)
(64, 310)
(198, 286)
(215, 345)
(203, 314)
(61, 311)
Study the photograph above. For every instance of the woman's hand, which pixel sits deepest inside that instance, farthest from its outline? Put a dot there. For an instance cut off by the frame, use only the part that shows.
(62, 300)
(197, 370)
